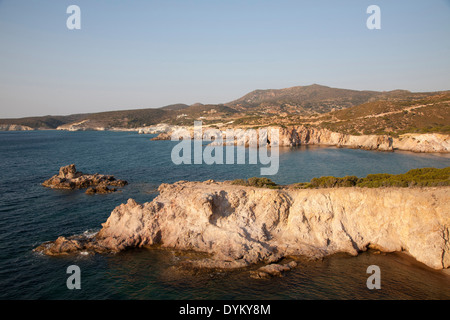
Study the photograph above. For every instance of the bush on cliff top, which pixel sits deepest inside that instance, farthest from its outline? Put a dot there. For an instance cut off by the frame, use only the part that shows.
(256, 182)
(424, 177)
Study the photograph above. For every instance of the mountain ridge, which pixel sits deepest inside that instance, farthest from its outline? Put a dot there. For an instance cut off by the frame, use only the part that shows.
(295, 102)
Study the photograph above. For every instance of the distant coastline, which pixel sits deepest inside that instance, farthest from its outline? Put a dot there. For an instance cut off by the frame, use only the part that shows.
(299, 135)
(345, 111)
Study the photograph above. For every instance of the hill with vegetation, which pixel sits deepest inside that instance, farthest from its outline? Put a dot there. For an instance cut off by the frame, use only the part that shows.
(174, 114)
(313, 99)
(423, 115)
(341, 110)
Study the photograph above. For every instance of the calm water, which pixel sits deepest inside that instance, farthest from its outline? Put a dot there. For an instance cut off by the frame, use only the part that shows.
(31, 214)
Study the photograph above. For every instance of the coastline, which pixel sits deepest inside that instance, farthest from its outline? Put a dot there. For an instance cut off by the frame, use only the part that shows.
(301, 135)
(296, 136)
(239, 226)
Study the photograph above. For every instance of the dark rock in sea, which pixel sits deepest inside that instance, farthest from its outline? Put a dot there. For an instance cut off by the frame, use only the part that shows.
(272, 270)
(100, 190)
(69, 178)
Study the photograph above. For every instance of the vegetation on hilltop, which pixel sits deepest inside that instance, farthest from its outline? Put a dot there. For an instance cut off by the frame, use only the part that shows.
(44, 122)
(314, 99)
(256, 182)
(423, 177)
(425, 115)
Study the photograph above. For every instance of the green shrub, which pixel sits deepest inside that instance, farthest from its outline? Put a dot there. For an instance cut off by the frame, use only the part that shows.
(256, 182)
(240, 182)
(332, 182)
(261, 182)
(423, 177)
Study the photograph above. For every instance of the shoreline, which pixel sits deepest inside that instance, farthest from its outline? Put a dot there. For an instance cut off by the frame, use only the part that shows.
(426, 143)
(240, 226)
(294, 136)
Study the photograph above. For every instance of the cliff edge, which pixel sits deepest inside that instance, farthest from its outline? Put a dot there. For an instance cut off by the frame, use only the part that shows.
(239, 226)
(294, 136)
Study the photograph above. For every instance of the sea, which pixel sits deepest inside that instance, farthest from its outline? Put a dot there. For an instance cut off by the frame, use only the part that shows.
(31, 214)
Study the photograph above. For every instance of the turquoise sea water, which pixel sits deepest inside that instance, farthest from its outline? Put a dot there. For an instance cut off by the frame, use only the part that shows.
(31, 214)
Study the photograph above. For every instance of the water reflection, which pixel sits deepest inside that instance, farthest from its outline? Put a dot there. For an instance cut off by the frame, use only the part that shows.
(156, 274)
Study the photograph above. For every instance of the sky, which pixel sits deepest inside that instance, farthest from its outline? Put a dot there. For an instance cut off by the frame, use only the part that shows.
(152, 53)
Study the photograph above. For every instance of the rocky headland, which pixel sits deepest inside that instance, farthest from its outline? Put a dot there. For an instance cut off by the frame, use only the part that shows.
(238, 226)
(69, 178)
(14, 127)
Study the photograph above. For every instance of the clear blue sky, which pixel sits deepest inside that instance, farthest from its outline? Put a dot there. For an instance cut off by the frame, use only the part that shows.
(143, 53)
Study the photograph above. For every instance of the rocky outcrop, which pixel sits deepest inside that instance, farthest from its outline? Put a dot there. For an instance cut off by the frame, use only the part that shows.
(101, 189)
(69, 178)
(84, 125)
(14, 127)
(157, 129)
(302, 135)
(272, 270)
(162, 136)
(428, 142)
(239, 226)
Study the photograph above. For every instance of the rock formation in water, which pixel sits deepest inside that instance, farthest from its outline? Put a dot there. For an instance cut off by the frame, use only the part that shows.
(101, 189)
(239, 226)
(69, 178)
(272, 270)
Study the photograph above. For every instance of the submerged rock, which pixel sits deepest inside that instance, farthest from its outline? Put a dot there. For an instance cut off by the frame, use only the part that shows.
(272, 270)
(69, 178)
(238, 226)
(100, 190)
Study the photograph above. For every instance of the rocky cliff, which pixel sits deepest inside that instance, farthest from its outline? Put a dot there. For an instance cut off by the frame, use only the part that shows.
(14, 127)
(427, 142)
(301, 135)
(238, 226)
(306, 135)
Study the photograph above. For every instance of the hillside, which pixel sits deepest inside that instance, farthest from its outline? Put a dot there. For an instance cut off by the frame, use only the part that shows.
(427, 115)
(179, 114)
(44, 122)
(313, 99)
(398, 114)
(341, 110)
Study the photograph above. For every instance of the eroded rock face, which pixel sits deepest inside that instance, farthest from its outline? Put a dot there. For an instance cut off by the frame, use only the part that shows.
(239, 226)
(426, 142)
(69, 178)
(302, 135)
(293, 136)
(14, 127)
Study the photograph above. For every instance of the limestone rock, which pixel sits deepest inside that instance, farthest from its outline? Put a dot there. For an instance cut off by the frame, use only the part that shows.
(68, 172)
(14, 127)
(239, 226)
(429, 142)
(293, 136)
(69, 178)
